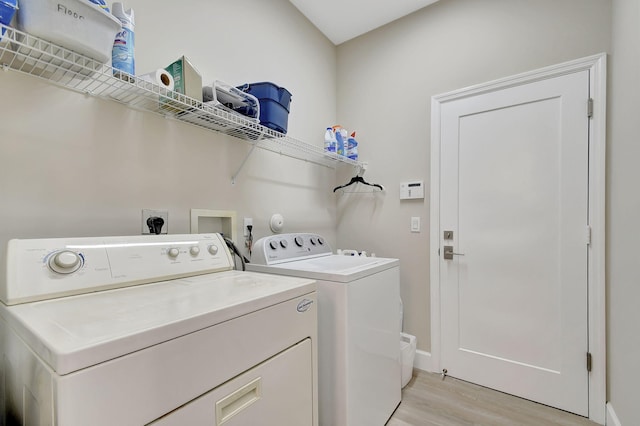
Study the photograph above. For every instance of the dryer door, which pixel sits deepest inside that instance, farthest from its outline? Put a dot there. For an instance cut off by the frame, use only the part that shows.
(278, 391)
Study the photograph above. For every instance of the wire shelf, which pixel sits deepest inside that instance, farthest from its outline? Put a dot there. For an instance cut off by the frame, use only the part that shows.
(31, 55)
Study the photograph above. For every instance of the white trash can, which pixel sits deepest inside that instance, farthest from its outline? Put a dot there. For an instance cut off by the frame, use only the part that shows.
(407, 356)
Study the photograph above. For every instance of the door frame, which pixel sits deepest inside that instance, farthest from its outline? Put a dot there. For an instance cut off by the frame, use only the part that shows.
(597, 67)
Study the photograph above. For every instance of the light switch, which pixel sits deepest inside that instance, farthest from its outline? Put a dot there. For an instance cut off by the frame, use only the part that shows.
(415, 224)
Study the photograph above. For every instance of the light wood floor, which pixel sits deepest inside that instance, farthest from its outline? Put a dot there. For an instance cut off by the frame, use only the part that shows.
(429, 401)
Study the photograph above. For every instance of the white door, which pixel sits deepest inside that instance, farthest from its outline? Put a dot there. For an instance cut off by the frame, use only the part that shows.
(514, 192)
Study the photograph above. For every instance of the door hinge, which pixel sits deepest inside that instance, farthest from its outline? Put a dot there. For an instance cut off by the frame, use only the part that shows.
(589, 361)
(590, 108)
(588, 235)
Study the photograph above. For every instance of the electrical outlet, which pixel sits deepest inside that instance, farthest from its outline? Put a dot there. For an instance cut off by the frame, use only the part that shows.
(247, 222)
(154, 221)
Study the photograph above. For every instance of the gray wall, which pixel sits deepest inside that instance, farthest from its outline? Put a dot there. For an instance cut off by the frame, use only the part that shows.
(385, 82)
(72, 165)
(623, 206)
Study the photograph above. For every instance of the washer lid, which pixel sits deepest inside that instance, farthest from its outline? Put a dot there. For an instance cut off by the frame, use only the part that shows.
(76, 332)
(330, 268)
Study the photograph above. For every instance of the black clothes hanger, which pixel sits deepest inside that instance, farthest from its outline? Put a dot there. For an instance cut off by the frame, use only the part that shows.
(358, 179)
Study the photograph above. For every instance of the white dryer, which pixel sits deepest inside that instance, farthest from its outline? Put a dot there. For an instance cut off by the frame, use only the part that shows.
(152, 330)
(358, 325)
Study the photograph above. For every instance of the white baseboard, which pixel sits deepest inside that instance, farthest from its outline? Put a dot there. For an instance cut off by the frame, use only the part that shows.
(612, 419)
(422, 361)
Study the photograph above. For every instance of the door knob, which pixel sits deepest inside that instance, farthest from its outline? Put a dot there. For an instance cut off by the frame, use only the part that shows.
(449, 253)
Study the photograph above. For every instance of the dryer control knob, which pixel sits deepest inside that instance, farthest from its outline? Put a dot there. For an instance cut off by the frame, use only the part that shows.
(65, 262)
(195, 250)
(284, 244)
(273, 245)
(313, 241)
(213, 249)
(320, 241)
(299, 241)
(173, 252)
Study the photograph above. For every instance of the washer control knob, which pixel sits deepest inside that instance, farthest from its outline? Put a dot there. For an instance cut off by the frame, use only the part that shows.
(195, 250)
(273, 245)
(173, 252)
(213, 249)
(313, 240)
(284, 244)
(320, 241)
(65, 262)
(299, 241)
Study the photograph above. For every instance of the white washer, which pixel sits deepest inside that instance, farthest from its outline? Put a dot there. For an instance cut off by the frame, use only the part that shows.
(195, 343)
(358, 325)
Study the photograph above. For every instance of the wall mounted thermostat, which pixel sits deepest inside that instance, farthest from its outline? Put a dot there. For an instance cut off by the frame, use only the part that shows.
(412, 190)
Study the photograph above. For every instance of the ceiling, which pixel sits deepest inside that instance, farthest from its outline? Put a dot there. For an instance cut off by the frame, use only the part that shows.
(342, 20)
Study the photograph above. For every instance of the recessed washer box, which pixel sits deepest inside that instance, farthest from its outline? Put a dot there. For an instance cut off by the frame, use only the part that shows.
(214, 221)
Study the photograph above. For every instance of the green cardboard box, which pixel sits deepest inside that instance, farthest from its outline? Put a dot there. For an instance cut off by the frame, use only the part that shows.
(187, 80)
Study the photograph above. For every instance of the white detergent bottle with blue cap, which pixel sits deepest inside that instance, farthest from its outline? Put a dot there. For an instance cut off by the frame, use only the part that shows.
(345, 138)
(122, 57)
(330, 141)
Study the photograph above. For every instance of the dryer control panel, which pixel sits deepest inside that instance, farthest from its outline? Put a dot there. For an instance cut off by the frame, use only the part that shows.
(40, 269)
(288, 247)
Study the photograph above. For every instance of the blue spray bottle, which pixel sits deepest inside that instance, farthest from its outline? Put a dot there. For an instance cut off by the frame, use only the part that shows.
(122, 57)
(102, 4)
(341, 140)
(352, 147)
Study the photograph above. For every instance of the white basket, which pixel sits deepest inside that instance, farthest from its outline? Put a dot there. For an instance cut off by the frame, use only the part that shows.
(229, 98)
(77, 25)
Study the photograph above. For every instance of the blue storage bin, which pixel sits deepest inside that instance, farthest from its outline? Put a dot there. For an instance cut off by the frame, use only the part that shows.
(274, 104)
(7, 9)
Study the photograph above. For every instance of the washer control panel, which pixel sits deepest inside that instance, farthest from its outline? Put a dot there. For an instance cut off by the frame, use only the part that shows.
(288, 247)
(40, 269)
